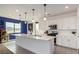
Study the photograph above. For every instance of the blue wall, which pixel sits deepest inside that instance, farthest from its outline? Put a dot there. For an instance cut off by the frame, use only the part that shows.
(9, 19)
(2, 24)
(4, 20)
(23, 27)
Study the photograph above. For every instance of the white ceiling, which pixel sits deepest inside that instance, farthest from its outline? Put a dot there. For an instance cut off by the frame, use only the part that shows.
(9, 10)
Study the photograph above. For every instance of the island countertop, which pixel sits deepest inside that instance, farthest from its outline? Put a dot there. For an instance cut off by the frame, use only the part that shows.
(42, 37)
(36, 44)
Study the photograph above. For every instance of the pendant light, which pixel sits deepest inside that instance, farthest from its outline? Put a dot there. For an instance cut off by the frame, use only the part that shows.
(45, 12)
(25, 14)
(33, 15)
(19, 16)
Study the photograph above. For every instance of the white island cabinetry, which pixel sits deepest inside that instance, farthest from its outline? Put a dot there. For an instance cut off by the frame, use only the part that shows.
(36, 44)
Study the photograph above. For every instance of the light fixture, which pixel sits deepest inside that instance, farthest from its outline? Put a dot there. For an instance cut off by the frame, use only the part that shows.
(32, 20)
(44, 18)
(19, 16)
(33, 15)
(25, 22)
(17, 10)
(45, 13)
(66, 7)
(25, 14)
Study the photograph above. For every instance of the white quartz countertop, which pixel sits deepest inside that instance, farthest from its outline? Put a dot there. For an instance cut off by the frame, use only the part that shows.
(43, 37)
(38, 44)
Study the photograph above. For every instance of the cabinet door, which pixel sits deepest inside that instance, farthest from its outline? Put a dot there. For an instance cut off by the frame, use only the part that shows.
(58, 41)
(65, 41)
(62, 38)
(69, 42)
(73, 42)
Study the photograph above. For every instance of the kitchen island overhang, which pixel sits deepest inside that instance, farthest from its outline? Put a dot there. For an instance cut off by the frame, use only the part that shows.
(35, 44)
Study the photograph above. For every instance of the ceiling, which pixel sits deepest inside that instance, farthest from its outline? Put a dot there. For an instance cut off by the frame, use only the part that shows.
(9, 10)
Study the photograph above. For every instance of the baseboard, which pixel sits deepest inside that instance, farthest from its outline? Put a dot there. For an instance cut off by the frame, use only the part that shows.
(66, 47)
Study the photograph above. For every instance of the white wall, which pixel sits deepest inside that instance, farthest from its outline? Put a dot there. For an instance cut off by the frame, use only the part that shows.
(66, 24)
(65, 21)
(77, 26)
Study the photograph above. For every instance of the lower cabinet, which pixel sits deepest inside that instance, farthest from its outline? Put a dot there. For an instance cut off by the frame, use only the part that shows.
(69, 41)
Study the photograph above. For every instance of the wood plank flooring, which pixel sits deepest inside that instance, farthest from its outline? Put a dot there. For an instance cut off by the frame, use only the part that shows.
(65, 50)
(4, 50)
(58, 50)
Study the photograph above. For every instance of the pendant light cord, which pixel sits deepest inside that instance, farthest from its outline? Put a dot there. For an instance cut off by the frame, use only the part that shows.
(44, 10)
(33, 11)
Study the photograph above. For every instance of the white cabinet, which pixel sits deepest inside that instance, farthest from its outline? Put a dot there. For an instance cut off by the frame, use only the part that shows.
(65, 42)
(36, 44)
(73, 43)
(67, 39)
(70, 42)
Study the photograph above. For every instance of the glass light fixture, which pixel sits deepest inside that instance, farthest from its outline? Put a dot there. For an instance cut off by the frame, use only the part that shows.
(32, 20)
(66, 7)
(19, 16)
(17, 10)
(44, 18)
(45, 13)
(25, 14)
(33, 15)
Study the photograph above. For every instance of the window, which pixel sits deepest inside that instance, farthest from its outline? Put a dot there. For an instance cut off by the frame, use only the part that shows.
(13, 27)
(17, 27)
(9, 27)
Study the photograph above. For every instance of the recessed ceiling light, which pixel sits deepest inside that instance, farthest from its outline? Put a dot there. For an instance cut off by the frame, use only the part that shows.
(17, 10)
(66, 7)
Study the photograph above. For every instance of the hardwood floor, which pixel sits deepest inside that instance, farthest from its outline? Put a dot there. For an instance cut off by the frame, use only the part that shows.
(65, 50)
(4, 50)
(58, 50)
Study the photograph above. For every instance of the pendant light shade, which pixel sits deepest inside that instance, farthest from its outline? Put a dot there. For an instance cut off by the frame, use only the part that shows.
(33, 15)
(19, 16)
(44, 18)
(45, 12)
(25, 14)
(44, 4)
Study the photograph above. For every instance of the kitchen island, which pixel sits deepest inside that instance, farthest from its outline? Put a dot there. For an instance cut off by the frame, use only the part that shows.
(36, 44)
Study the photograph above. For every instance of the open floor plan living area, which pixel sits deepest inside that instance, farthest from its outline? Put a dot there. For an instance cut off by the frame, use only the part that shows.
(39, 29)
